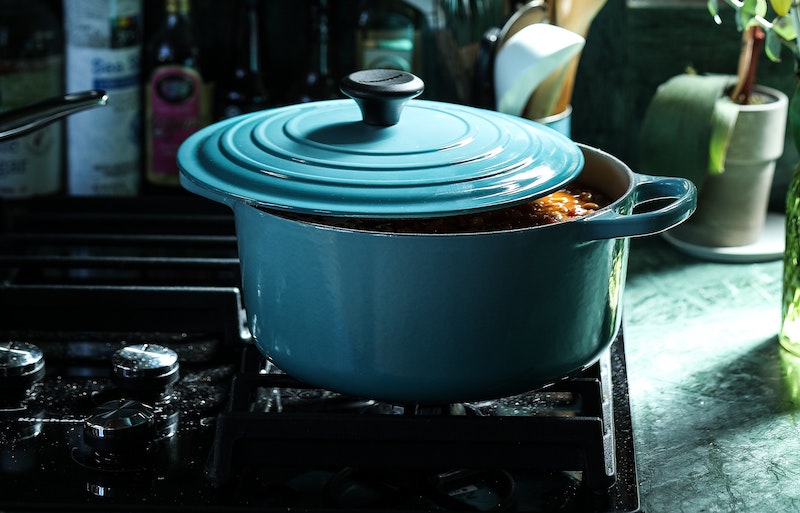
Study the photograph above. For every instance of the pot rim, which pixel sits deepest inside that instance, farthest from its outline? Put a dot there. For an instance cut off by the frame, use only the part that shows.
(613, 205)
(615, 220)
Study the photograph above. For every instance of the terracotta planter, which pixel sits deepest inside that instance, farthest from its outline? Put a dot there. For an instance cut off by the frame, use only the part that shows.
(732, 205)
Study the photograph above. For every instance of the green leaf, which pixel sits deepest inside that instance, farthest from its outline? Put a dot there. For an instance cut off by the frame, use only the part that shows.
(676, 134)
(773, 46)
(754, 7)
(783, 27)
(723, 119)
(749, 10)
(781, 7)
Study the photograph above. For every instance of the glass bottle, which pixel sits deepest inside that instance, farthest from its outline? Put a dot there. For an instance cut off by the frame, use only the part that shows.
(31, 69)
(318, 82)
(245, 88)
(789, 334)
(179, 95)
(389, 35)
(104, 51)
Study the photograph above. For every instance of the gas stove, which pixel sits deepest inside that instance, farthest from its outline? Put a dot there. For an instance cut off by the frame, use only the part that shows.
(129, 382)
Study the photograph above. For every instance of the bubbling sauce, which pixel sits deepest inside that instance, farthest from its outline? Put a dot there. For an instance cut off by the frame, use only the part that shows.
(573, 201)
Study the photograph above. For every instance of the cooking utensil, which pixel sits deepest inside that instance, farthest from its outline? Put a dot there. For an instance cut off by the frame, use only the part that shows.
(483, 89)
(424, 318)
(526, 59)
(23, 120)
(576, 16)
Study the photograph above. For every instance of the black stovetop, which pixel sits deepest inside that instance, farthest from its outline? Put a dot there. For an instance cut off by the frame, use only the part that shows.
(83, 279)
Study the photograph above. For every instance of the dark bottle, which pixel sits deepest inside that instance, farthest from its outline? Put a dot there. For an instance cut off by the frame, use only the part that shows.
(318, 82)
(244, 89)
(389, 35)
(179, 96)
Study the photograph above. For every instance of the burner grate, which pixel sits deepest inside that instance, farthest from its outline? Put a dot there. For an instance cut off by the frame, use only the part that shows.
(119, 242)
(121, 264)
(580, 442)
(64, 308)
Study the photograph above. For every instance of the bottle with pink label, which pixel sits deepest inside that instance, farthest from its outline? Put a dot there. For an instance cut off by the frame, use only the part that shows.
(178, 95)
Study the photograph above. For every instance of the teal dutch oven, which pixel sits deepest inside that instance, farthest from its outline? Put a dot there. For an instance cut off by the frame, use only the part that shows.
(421, 318)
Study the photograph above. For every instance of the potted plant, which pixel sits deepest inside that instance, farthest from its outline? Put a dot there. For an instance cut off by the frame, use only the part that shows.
(725, 132)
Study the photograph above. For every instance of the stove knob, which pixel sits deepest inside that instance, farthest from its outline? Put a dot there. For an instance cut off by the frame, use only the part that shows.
(145, 367)
(21, 365)
(18, 425)
(120, 426)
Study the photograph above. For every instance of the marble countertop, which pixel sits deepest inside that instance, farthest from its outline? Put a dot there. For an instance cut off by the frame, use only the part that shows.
(715, 401)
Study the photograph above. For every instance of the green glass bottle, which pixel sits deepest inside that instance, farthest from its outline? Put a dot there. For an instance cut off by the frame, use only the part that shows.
(789, 334)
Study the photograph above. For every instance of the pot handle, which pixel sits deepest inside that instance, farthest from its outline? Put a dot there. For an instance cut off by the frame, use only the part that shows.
(646, 188)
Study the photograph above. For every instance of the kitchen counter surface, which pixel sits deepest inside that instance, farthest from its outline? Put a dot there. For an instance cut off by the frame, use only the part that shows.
(715, 400)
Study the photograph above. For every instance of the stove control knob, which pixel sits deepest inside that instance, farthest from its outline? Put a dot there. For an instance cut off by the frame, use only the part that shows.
(145, 367)
(120, 426)
(21, 365)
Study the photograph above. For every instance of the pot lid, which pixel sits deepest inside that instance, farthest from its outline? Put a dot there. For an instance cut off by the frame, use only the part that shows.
(368, 159)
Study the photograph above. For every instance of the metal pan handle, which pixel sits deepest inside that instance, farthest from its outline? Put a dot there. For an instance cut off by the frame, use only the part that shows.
(23, 120)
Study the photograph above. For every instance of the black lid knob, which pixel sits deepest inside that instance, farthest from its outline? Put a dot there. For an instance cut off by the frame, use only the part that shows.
(21, 365)
(381, 94)
(145, 367)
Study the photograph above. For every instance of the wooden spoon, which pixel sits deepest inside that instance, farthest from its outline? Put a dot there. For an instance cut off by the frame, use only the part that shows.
(577, 16)
(555, 94)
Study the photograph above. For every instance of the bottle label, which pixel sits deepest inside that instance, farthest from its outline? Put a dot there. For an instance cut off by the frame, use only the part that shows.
(104, 52)
(31, 165)
(178, 105)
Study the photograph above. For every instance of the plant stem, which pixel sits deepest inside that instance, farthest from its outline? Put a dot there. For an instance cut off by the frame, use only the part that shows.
(752, 43)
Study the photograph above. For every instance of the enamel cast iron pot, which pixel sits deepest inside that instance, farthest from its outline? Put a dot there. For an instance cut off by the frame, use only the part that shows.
(421, 318)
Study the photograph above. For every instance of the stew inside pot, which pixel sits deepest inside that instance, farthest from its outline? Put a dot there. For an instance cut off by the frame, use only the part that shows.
(573, 201)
